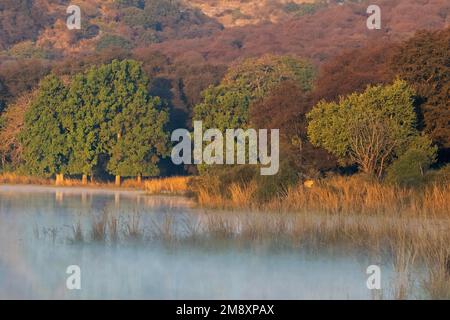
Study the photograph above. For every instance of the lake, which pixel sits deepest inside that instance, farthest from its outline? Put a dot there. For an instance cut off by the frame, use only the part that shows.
(146, 252)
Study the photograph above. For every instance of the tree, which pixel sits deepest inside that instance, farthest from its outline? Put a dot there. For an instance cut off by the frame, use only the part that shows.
(143, 139)
(410, 168)
(12, 122)
(83, 117)
(353, 70)
(369, 129)
(285, 108)
(110, 114)
(227, 105)
(424, 62)
(44, 136)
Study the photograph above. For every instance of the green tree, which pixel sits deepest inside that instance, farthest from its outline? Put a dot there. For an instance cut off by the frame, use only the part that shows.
(368, 129)
(83, 118)
(227, 105)
(44, 137)
(110, 114)
(142, 140)
(410, 168)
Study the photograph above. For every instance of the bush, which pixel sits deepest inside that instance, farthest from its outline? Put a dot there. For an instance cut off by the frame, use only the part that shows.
(110, 40)
(410, 168)
(269, 187)
(440, 176)
(28, 50)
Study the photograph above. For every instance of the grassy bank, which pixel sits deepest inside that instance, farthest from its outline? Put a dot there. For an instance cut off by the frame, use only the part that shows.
(172, 185)
(336, 195)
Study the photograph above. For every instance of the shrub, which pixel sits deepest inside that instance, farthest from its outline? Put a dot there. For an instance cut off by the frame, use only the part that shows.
(410, 168)
(270, 187)
(110, 40)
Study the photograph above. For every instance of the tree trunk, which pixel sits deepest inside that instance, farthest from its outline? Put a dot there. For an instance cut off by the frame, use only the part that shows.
(139, 179)
(84, 179)
(59, 179)
(118, 181)
(92, 178)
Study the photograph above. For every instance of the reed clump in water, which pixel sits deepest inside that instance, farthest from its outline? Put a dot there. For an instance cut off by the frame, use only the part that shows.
(107, 227)
(99, 227)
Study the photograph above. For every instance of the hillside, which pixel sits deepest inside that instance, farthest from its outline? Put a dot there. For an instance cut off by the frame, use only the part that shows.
(190, 44)
(38, 29)
(235, 13)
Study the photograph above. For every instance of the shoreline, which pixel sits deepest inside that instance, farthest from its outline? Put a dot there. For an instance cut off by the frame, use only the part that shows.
(70, 189)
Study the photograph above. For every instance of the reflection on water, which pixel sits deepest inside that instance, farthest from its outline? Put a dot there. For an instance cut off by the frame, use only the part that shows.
(36, 247)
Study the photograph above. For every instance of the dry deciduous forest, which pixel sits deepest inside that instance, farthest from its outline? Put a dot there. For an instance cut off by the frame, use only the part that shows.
(187, 46)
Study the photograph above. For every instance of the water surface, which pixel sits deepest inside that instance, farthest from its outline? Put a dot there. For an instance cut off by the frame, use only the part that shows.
(37, 244)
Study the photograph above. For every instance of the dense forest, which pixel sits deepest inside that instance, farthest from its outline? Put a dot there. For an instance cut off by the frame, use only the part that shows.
(102, 101)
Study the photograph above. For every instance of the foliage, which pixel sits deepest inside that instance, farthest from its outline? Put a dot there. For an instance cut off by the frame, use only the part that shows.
(28, 49)
(353, 70)
(143, 140)
(271, 187)
(105, 114)
(227, 105)
(301, 9)
(110, 40)
(424, 62)
(21, 76)
(20, 20)
(109, 112)
(368, 129)
(285, 108)
(410, 168)
(44, 136)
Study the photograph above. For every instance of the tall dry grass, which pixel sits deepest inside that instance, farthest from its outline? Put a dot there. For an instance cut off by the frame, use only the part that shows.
(346, 195)
(12, 178)
(172, 185)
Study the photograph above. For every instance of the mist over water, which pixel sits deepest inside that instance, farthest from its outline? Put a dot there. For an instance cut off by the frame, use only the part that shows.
(36, 247)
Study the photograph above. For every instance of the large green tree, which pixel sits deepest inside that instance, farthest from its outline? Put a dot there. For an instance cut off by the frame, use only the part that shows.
(110, 114)
(142, 140)
(83, 118)
(369, 129)
(44, 137)
(227, 105)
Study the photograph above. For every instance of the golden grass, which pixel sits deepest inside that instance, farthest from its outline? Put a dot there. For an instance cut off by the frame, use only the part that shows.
(12, 178)
(172, 185)
(347, 195)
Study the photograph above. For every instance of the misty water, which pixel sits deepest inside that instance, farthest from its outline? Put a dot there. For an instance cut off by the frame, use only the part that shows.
(37, 244)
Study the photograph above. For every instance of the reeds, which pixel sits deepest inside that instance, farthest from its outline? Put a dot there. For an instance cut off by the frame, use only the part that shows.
(173, 185)
(411, 243)
(337, 195)
(12, 178)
